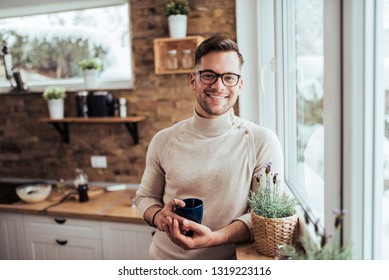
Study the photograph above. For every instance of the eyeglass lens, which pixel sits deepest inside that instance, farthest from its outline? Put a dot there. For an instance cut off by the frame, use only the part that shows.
(228, 79)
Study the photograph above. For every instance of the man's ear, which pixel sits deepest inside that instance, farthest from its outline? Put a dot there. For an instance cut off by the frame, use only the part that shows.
(192, 80)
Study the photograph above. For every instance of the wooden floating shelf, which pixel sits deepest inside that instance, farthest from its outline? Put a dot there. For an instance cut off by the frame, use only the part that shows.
(61, 125)
(162, 45)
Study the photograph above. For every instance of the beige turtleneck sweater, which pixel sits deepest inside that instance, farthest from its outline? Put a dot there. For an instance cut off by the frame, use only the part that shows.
(215, 160)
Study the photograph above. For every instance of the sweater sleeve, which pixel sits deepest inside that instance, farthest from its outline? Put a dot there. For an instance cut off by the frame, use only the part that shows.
(267, 148)
(269, 151)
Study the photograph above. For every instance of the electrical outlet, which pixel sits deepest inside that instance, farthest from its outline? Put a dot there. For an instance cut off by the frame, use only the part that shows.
(98, 161)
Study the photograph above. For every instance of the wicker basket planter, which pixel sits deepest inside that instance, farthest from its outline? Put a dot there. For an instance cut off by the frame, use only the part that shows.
(269, 233)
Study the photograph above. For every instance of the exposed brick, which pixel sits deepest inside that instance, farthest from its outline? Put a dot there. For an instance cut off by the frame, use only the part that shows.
(30, 148)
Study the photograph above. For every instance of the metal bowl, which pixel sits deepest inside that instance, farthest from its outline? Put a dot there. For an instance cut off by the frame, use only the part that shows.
(33, 193)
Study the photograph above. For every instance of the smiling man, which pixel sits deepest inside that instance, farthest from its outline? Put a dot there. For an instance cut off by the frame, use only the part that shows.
(214, 156)
(216, 96)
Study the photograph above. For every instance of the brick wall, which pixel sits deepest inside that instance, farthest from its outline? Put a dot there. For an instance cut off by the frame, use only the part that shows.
(32, 149)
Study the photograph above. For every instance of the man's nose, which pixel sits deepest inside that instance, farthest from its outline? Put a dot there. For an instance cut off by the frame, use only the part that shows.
(219, 82)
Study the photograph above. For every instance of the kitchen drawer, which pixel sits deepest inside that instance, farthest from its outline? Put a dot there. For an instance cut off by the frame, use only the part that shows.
(52, 247)
(62, 226)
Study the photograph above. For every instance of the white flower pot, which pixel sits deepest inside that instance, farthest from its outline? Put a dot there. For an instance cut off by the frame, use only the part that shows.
(56, 108)
(177, 26)
(90, 78)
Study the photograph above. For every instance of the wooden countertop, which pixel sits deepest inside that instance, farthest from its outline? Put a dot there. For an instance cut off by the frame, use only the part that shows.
(102, 205)
(105, 206)
(247, 251)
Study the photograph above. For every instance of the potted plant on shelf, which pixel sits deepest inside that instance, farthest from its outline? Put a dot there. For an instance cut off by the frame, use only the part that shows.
(273, 214)
(55, 96)
(90, 68)
(177, 14)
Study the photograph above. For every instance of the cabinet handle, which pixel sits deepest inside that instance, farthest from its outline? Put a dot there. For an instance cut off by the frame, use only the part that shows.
(60, 220)
(61, 242)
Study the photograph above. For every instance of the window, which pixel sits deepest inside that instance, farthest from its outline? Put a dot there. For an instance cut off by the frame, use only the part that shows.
(289, 84)
(331, 91)
(303, 106)
(299, 90)
(48, 47)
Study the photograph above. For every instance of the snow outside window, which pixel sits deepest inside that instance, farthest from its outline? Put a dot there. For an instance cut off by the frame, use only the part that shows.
(303, 95)
(47, 48)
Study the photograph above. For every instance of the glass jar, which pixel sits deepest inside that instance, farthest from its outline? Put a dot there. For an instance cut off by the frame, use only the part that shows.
(172, 60)
(186, 61)
(284, 252)
(61, 186)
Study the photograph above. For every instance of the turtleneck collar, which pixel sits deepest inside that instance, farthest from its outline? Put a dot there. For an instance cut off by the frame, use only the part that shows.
(213, 127)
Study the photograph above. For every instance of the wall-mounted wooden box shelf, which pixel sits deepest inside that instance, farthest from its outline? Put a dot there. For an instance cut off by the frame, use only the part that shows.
(61, 125)
(163, 45)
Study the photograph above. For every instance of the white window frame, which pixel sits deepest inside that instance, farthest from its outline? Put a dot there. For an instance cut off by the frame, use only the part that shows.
(13, 8)
(332, 118)
(363, 93)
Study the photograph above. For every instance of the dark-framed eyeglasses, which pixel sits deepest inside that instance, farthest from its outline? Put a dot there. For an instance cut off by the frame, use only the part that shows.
(209, 77)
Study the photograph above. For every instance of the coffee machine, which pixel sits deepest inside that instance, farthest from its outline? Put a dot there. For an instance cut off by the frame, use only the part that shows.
(95, 104)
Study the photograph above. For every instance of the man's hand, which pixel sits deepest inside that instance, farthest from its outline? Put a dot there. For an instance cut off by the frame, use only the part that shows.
(176, 227)
(167, 214)
(203, 236)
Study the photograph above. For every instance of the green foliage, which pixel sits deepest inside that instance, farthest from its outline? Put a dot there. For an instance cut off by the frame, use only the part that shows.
(88, 64)
(268, 200)
(326, 247)
(177, 7)
(54, 92)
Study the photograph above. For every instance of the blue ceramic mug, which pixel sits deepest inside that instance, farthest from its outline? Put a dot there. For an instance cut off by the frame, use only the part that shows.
(193, 210)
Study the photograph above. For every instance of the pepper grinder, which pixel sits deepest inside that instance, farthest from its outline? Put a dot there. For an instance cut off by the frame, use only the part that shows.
(81, 183)
(123, 107)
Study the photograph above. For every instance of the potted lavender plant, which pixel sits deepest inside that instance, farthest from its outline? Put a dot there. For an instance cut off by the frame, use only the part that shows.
(273, 214)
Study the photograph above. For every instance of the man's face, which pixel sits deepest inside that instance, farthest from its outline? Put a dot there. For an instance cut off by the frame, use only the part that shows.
(216, 99)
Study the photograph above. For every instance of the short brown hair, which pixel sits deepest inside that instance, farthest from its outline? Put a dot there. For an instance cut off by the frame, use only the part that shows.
(217, 43)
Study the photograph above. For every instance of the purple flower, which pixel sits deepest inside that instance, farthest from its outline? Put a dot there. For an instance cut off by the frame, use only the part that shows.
(268, 168)
(339, 217)
(275, 178)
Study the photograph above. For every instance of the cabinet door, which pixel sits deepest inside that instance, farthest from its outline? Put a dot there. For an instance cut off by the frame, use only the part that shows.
(126, 241)
(62, 226)
(52, 247)
(59, 238)
(11, 237)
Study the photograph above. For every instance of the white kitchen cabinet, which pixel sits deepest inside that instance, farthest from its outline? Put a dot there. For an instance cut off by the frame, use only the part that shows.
(53, 247)
(124, 241)
(62, 238)
(40, 237)
(12, 245)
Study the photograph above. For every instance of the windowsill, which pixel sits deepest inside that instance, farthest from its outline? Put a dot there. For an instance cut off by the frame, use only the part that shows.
(71, 86)
(36, 91)
(247, 251)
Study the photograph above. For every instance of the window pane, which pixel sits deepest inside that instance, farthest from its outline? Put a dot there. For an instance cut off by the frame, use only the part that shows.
(49, 47)
(304, 107)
